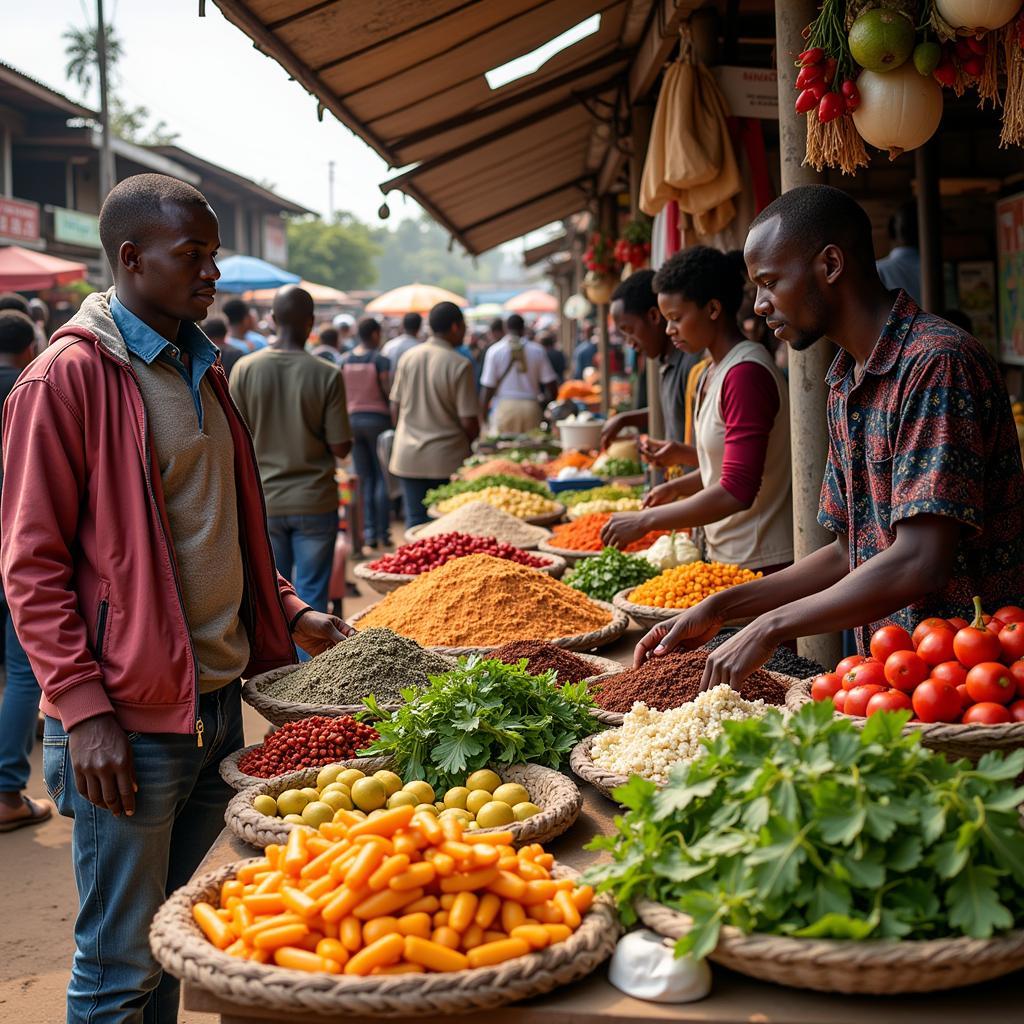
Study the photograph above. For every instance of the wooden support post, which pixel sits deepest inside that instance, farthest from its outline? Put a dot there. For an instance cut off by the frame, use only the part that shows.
(807, 369)
(929, 224)
(606, 220)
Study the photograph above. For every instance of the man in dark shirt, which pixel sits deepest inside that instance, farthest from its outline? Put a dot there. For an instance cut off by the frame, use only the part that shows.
(20, 707)
(924, 487)
(216, 329)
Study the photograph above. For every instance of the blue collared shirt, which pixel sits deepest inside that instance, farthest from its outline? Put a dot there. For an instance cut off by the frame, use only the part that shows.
(144, 343)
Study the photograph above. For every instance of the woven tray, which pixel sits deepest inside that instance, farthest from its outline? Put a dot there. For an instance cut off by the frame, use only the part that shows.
(583, 765)
(648, 615)
(556, 794)
(237, 779)
(948, 738)
(183, 951)
(572, 557)
(385, 582)
(280, 712)
(881, 967)
(581, 642)
(543, 520)
(413, 533)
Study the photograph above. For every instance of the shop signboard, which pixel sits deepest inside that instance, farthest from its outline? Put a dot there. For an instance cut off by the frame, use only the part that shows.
(275, 240)
(19, 220)
(76, 228)
(976, 290)
(1010, 250)
(750, 92)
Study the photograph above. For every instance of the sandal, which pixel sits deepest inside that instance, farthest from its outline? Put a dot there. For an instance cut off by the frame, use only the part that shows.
(38, 812)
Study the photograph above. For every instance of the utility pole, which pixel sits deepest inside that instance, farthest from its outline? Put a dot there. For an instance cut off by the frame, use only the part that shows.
(107, 172)
(330, 191)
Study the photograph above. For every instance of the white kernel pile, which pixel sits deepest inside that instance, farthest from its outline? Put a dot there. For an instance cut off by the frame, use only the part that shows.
(650, 743)
(585, 508)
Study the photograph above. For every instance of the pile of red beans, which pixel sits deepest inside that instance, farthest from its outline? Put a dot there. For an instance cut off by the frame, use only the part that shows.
(310, 743)
(423, 555)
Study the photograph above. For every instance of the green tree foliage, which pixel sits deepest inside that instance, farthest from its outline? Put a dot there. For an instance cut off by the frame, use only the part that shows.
(341, 254)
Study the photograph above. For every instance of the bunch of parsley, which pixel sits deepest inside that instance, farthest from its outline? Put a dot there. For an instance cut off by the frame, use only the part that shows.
(813, 828)
(482, 714)
(603, 576)
(517, 483)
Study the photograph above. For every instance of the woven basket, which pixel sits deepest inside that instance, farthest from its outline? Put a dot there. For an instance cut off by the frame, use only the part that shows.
(583, 765)
(648, 615)
(881, 967)
(385, 582)
(413, 533)
(183, 951)
(948, 738)
(542, 520)
(556, 794)
(237, 779)
(572, 557)
(581, 642)
(281, 712)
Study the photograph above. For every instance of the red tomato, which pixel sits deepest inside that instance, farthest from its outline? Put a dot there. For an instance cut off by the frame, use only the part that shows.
(889, 700)
(957, 623)
(857, 698)
(1017, 672)
(992, 624)
(1016, 710)
(847, 663)
(1010, 613)
(1011, 640)
(991, 681)
(965, 698)
(888, 640)
(925, 626)
(936, 702)
(951, 672)
(839, 699)
(937, 646)
(826, 685)
(972, 645)
(869, 673)
(904, 670)
(987, 713)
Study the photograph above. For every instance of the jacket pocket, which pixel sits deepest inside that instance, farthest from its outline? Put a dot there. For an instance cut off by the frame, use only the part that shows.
(102, 620)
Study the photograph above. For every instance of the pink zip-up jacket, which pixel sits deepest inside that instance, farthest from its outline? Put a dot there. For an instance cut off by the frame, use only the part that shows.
(87, 559)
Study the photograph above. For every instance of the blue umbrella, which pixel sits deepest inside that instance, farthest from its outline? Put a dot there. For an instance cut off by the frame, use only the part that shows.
(247, 273)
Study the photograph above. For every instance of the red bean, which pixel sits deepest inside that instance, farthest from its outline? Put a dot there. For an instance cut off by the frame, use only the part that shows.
(310, 743)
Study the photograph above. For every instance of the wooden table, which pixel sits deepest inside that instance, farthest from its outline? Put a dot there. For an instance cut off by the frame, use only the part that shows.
(734, 999)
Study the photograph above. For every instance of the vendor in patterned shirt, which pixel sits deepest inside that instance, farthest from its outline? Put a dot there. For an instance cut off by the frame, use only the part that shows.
(923, 488)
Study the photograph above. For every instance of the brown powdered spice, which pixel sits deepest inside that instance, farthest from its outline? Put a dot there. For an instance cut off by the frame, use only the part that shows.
(482, 601)
(672, 680)
(541, 656)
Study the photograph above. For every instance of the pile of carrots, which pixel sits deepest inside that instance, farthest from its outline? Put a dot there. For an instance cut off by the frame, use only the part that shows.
(584, 534)
(399, 893)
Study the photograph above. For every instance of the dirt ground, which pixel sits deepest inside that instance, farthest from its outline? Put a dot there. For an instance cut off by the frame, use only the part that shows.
(36, 933)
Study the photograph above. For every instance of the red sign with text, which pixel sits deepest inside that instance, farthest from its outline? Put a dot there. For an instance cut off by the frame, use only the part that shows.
(19, 220)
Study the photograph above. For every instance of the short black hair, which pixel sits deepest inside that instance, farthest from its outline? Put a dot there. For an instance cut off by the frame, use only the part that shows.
(411, 323)
(17, 332)
(701, 274)
(236, 310)
(515, 324)
(820, 215)
(215, 327)
(497, 326)
(328, 336)
(368, 326)
(12, 300)
(637, 293)
(444, 316)
(903, 224)
(134, 206)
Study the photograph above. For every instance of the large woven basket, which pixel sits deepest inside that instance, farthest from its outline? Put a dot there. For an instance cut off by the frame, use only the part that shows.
(950, 739)
(882, 967)
(582, 763)
(237, 779)
(542, 520)
(648, 615)
(413, 533)
(385, 582)
(183, 951)
(580, 642)
(555, 794)
(280, 712)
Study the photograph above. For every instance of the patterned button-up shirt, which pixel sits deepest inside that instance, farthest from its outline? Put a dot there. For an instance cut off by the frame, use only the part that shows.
(927, 430)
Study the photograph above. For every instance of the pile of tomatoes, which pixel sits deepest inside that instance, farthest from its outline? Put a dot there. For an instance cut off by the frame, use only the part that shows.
(949, 670)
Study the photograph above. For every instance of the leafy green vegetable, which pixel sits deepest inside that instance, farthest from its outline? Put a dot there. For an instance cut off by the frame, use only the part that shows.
(603, 576)
(482, 713)
(811, 827)
(607, 492)
(619, 467)
(517, 483)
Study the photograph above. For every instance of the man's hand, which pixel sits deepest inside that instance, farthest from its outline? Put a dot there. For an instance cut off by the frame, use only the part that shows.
(691, 629)
(316, 632)
(101, 757)
(611, 430)
(623, 528)
(738, 657)
(664, 494)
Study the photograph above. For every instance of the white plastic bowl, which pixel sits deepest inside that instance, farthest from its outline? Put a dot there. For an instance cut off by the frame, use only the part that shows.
(583, 437)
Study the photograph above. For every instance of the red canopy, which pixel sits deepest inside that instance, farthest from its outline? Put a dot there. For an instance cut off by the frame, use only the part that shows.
(27, 270)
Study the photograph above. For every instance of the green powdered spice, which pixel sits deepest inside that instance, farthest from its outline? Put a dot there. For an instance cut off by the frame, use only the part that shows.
(374, 661)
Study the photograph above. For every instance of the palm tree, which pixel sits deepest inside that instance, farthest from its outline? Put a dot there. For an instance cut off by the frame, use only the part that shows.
(80, 50)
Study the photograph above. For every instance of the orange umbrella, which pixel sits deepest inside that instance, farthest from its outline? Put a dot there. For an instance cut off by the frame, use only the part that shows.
(532, 301)
(31, 271)
(320, 293)
(413, 298)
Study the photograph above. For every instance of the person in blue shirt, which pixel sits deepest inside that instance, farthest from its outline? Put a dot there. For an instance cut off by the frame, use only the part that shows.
(241, 333)
(902, 267)
(585, 352)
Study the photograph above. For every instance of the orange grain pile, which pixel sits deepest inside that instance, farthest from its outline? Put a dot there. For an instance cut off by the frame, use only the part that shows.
(482, 601)
(584, 534)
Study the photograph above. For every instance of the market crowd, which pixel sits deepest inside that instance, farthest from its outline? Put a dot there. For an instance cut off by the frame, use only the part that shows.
(170, 499)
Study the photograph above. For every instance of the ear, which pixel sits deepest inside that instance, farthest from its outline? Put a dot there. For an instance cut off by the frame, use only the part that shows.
(832, 262)
(714, 308)
(130, 257)
(654, 317)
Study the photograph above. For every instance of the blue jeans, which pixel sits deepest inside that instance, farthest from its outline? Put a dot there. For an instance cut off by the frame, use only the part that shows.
(366, 428)
(126, 867)
(18, 715)
(414, 489)
(304, 552)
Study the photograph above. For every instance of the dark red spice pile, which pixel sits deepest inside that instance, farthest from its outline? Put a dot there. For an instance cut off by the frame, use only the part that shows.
(541, 656)
(310, 743)
(673, 680)
(423, 555)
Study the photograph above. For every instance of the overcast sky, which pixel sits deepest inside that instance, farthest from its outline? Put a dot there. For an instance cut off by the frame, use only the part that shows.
(202, 76)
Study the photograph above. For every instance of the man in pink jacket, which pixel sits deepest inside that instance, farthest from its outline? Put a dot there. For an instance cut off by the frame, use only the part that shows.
(141, 581)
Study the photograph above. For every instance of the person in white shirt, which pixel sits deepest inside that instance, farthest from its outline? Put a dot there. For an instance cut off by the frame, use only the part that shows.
(518, 378)
(408, 339)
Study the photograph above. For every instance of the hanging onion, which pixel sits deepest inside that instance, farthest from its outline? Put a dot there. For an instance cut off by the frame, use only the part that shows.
(899, 110)
(977, 16)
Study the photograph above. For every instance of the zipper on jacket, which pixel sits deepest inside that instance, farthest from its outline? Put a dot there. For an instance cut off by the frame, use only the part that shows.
(101, 628)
